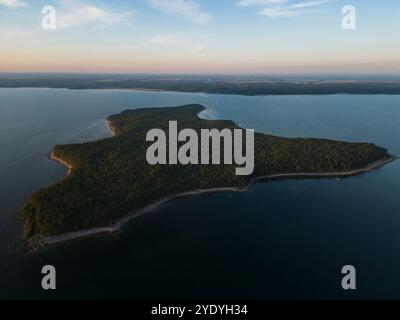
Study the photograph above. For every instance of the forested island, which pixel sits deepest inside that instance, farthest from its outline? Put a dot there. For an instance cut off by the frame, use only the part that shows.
(110, 178)
(246, 85)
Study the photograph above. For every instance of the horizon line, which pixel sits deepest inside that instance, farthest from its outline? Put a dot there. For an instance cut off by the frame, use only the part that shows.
(203, 73)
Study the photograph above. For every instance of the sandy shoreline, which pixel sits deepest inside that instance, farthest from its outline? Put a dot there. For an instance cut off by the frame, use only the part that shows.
(66, 163)
(151, 207)
(63, 162)
(109, 126)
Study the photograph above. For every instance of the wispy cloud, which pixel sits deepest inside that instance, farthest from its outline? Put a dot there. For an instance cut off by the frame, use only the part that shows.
(163, 39)
(278, 13)
(189, 9)
(308, 4)
(8, 35)
(13, 4)
(248, 3)
(72, 14)
(103, 48)
(199, 50)
(18, 35)
(281, 8)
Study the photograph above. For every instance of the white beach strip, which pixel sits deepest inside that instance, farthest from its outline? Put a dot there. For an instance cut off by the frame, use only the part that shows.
(153, 206)
(63, 162)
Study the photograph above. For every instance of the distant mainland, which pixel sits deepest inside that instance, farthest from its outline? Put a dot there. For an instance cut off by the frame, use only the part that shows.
(250, 86)
(109, 181)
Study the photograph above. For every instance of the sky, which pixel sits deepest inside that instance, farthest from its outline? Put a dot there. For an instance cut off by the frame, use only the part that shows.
(200, 36)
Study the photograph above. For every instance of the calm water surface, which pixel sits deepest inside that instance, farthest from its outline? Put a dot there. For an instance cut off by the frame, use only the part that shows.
(283, 239)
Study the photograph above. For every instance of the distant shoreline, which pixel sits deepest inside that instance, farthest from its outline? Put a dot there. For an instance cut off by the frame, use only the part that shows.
(250, 87)
(273, 94)
(117, 226)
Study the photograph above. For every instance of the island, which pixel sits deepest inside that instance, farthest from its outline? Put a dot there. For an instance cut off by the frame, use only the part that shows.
(109, 181)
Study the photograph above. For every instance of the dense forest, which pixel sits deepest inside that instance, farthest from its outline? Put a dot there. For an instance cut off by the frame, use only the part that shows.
(217, 85)
(112, 177)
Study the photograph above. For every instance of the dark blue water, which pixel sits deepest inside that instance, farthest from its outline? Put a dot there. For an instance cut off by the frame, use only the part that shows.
(283, 239)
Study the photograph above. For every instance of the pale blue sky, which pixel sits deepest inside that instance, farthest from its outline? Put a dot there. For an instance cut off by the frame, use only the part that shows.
(201, 36)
